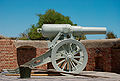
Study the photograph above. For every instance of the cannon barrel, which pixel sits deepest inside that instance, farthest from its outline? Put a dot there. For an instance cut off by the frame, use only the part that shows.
(51, 30)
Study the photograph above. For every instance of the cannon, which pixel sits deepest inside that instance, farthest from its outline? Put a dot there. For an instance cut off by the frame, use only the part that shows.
(66, 54)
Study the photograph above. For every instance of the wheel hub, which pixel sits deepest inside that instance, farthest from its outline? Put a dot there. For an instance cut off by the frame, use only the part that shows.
(69, 57)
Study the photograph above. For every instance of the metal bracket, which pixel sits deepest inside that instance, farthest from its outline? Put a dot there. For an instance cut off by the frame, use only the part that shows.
(55, 40)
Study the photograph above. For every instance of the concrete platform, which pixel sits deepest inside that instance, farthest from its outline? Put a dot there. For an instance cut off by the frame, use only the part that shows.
(84, 76)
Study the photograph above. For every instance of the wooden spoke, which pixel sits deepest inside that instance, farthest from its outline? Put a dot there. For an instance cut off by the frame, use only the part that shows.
(65, 49)
(61, 62)
(78, 62)
(78, 56)
(74, 65)
(64, 66)
(69, 66)
(77, 52)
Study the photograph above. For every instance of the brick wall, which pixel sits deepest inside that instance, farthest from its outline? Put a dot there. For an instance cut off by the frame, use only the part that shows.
(8, 56)
(99, 59)
(15, 53)
(102, 54)
(115, 61)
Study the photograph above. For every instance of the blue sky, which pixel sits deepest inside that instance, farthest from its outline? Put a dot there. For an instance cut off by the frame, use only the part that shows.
(18, 15)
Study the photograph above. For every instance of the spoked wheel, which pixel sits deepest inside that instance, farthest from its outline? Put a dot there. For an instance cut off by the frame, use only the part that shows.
(69, 56)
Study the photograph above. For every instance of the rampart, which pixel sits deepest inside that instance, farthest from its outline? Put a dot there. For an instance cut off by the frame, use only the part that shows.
(103, 55)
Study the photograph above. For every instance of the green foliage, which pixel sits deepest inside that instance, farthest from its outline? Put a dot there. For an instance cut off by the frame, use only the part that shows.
(82, 37)
(33, 34)
(110, 35)
(24, 35)
(53, 17)
(23, 38)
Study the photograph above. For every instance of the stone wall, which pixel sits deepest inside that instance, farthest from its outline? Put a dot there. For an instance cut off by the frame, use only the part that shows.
(103, 55)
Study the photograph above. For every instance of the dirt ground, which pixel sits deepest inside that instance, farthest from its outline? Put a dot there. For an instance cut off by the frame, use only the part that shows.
(84, 76)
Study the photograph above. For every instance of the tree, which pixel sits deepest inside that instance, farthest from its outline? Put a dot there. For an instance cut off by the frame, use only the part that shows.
(24, 35)
(110, 35)
(53, 17)
(33, 34)
(82, 37)
(50, 17)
